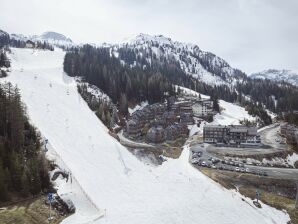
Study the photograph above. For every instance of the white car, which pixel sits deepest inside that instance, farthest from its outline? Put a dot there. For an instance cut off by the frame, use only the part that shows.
(247, 170)
(237, 169)
(213, 167)
(195, 161)
(203, 163)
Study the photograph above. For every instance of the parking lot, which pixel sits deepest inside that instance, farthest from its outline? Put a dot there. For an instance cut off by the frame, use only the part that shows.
(199, 157)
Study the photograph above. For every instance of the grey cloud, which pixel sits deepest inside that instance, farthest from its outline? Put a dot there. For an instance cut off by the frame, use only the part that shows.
(250, 34)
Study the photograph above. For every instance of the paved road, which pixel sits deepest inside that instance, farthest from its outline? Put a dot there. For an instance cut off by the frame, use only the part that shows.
(129, 143)
(270, 136)
(283, 173)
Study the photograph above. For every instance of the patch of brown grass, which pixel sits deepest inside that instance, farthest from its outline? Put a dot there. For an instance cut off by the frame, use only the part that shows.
(33, 211)
(247, 186)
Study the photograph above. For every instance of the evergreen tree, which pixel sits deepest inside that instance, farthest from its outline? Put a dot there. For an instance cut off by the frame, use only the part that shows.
(123, 105)
(3, 185)
(23, 170)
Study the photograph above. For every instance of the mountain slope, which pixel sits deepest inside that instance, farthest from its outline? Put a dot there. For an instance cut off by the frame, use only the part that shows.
(50, 37)
(116, 181)
(277, 75)
(55, 39)
(4, 38)
(201, 65)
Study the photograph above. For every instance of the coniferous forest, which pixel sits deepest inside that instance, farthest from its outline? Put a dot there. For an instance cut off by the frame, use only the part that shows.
(23, 167)
(136, 79)
(98, 68)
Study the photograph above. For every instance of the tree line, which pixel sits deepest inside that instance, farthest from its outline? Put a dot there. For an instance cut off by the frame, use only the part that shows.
(23, 167)
(6, 41)
(37, 44)
(137, 74)
(120, 81)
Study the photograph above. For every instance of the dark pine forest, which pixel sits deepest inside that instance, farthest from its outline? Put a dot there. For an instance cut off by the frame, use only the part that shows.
(131, 76)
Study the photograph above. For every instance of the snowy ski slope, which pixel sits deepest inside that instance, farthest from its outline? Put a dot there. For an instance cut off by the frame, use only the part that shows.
(126, 189)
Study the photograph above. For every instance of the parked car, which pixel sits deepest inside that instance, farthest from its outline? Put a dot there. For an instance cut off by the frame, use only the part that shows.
(195, 161)
(213, 167)
(247, 170)
(195, 155)
(237, 169)
(242, 170)
(203, 163)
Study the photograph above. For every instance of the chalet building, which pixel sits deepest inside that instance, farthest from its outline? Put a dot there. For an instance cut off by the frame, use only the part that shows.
(187, 118)
(203, 108)
(215, 134)
(158, 122)
(140, 117)
(183, 129)
(172, 132)
(30, 44)
(181, 107)
(238, 135)
(156, 134)
(170, 101)
(133, 129)
(158, 109)
(176, 109)
(162, 121)
(186, 109)
(149, 113)
(169, 117)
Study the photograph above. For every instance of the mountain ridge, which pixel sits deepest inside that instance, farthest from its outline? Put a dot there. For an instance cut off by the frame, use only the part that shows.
(50, 37)
(202, 65)
(278, 75)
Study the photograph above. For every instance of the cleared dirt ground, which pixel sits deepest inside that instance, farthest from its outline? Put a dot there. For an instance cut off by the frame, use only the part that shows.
(32, 211)
(274, 192)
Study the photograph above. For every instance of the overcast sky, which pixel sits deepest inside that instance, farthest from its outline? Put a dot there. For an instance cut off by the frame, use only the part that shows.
(252, 35)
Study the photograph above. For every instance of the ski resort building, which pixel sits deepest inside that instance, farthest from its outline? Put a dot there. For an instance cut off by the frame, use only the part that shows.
(175, 131)
(133, 128)
(203, 108)
(172, 133)
(234, 135)
(156, 134)
(187, 118)
(161, 122)
(30, 44)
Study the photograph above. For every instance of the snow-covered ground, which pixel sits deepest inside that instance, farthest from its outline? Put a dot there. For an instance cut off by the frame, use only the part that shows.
(231, 114)
(138, 107)
(116, 181)
(94, 90)
(71, 189)
(291, 159)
